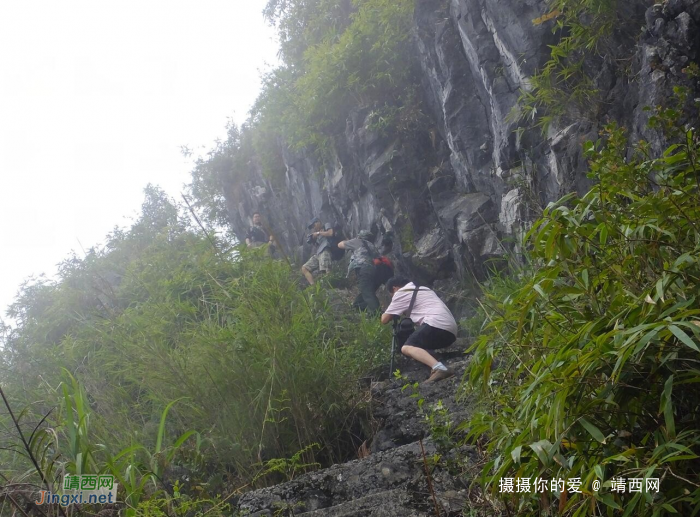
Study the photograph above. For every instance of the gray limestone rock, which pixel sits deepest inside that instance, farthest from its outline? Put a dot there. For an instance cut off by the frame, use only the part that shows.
(433, 254)
(479, 175)
(391, 481)
(454, 197)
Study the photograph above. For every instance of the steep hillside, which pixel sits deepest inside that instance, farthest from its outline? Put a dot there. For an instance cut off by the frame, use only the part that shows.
(457, 187)
(400, 471)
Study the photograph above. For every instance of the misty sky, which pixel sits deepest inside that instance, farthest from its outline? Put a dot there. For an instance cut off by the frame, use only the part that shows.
(96, 99)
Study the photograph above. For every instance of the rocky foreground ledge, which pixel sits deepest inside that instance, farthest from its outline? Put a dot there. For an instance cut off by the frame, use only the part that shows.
(393, 479)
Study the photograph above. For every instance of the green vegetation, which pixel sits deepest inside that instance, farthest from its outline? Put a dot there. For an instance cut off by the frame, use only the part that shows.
(588, 367)
(101, 353)
(564, 83)
(337, 55)
(212, 176)
(161, 353)
(350, 54)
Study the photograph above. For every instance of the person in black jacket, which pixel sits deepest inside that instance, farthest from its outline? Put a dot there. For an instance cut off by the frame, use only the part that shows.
(256, 235)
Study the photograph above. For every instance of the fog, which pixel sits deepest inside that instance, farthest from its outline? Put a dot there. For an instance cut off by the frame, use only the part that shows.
(96, 100)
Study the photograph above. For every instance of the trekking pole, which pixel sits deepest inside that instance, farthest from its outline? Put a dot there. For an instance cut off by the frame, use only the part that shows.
(393, 346)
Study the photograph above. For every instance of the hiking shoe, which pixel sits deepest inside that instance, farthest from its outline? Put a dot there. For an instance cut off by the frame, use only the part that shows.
(439, 375)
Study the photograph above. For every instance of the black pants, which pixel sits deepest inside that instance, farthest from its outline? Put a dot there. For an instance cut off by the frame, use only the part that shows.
(430, 338)
(366, 281)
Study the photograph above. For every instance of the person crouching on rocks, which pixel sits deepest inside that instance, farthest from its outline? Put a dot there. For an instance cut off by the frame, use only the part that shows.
(362, 265)
(435, 325)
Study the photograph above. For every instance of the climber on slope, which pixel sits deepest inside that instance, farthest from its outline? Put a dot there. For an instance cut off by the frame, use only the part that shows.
(321, 237)
(435, 325)
(256, 235)
(363, 268)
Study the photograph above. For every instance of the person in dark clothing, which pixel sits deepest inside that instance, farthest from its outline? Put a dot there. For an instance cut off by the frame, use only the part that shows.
(384, 265)
(362, 265)
(256, 235)
(387, 246)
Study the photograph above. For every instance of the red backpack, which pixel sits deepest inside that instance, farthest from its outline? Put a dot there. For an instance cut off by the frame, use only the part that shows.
(383, 269)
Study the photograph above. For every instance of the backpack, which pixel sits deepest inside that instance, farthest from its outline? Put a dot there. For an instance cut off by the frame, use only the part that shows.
(383, 269)
(336, 252)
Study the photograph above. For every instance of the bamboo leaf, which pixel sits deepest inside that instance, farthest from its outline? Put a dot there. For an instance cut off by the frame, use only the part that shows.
(667, 407)
(683, 337)
(515, 453)
(592, 430)
(543, 450)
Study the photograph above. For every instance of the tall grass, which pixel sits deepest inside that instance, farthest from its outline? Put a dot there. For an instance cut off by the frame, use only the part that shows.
(259, 368)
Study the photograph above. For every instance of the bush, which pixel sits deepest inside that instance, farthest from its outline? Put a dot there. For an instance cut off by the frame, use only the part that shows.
(599, 345)
(337, 55)
(261, 369)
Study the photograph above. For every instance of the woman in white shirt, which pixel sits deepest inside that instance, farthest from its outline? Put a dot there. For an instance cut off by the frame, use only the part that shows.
(435, 325)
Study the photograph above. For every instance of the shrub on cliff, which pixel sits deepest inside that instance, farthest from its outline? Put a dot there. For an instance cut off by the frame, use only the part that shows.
(337, 55)
(260, 368)
(599, 346)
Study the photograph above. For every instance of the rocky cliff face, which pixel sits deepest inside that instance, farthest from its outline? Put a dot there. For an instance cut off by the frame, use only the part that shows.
(458, 194)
